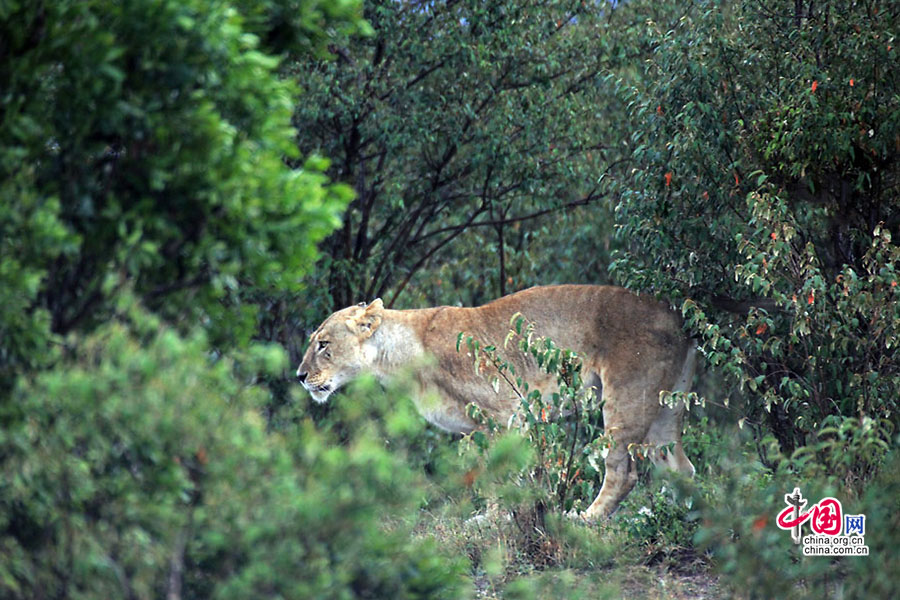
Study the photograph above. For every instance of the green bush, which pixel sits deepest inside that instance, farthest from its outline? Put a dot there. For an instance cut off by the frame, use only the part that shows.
(143, 143)
(659, 519)
(140, 467)
(568, 452)
(144, 149)
(875, 575)
(763, 201)
(759, 560)
(764, 183)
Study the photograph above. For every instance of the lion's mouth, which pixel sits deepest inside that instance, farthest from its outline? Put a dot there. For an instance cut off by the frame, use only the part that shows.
(313, 387)
(319, 393)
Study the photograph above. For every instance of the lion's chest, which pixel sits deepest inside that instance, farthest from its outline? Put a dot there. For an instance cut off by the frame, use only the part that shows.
(444, 400)
(443, 409)
(448, 421)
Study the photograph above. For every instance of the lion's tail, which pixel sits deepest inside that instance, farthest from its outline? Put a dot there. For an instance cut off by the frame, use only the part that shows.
(683, 383)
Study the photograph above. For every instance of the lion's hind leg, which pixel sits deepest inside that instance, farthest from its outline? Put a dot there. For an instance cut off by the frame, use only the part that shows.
(627, 416)
(633, 415)
(665, 432)
(664, 439)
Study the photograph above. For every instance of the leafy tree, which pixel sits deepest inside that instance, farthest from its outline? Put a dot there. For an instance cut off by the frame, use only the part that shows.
(469, 130)
(143, 144)
(767, 172)
(142, 165)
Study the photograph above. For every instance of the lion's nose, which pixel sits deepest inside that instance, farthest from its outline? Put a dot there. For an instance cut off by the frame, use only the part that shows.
(301, 376)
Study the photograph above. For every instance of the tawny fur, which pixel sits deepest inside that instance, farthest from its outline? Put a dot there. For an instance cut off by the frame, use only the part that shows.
(633, 348)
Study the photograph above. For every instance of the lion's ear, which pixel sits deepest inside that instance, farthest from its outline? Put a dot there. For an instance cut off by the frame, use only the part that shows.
(365, 324)
(377, 306)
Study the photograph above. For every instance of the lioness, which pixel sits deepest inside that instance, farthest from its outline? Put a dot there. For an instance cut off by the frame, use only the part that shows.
(632, 348)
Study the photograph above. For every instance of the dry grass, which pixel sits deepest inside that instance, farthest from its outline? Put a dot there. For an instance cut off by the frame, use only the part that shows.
(512, 554)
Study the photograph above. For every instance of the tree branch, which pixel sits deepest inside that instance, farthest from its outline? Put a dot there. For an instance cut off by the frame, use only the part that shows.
(422, 261)
(505, 221)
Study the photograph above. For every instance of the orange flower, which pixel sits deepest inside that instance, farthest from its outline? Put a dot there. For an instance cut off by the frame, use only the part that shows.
(851, 82)
(469, 477)
(760, 523)
(811, 298)
(773, 235)
(737, 181)
(659, 110)
(893, 284)
(761, 329)
(668, 178)
(815, 84)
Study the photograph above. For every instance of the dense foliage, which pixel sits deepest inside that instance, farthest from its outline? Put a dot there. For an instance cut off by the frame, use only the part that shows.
(143, 143)
(143, 166)
(143, 469)
(476, 135)
(183, 180)
(767, 171)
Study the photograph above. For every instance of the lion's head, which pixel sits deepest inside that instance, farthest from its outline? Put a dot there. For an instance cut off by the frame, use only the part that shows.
(338, 351)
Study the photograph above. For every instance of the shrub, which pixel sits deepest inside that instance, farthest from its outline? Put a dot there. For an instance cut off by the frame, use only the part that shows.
(759, 560)
(660, 520)
(763, 200)
(143, 144)
(140, 468)
(568, 452)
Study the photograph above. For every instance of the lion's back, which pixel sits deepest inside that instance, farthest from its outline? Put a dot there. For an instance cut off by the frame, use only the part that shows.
(590, 319)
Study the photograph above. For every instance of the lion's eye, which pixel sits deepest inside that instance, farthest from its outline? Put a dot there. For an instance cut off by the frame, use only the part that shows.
(322, 346)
